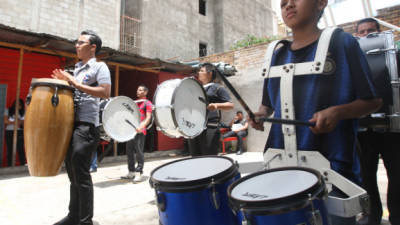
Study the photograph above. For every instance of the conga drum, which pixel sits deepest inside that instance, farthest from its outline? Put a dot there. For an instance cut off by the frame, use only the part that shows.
(48, 125)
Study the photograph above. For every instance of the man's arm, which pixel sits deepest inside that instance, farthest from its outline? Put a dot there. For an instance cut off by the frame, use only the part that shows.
(220, 106)
(101, 91)
(326, 120)
(144, 123)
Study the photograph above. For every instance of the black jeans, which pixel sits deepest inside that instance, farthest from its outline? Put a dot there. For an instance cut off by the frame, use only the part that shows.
(207, 143)
(240, 135)
(20, 146)
(387, 145)
(134, 151)
(85, 139)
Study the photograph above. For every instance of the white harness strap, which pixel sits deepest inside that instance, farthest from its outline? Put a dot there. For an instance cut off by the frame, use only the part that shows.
(286, 73)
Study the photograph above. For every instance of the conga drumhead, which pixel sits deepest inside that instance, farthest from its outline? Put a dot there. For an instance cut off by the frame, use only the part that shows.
(50, 82)
(187, 173)
(190, 107)
(120, 118)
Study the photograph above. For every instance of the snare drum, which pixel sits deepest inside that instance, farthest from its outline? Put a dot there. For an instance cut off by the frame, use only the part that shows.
(180, 108)
(120, 118)
(48, 125)
(287, 195)
(193, 191)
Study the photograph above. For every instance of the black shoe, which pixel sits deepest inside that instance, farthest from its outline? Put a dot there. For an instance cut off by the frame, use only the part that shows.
(93, 170)
(67, 221)
(239, 152)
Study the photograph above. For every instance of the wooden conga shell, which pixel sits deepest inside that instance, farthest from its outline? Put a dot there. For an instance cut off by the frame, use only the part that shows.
(48, 128)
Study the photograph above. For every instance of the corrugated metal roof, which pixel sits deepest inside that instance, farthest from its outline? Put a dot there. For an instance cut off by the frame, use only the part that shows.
(55, 43)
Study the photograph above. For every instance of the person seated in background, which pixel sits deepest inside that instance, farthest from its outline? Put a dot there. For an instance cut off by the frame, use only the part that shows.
(239, 127)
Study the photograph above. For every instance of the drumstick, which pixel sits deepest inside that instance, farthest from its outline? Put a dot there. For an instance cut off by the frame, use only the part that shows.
(129, 122)
(283, 121)
(202, 100)
(251, 114)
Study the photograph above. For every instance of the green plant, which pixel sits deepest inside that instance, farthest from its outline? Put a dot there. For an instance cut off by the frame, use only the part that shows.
(252, 40)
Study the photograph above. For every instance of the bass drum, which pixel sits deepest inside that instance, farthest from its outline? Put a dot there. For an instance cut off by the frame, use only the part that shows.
(120, 118)
(103, 134)
(180, 108)
(48, 125)
(381, 54)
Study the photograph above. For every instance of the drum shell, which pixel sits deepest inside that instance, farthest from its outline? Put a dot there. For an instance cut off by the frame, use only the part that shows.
(48, 130)
(290, 209)
(196, 207)
(164, 107)
(191, 201)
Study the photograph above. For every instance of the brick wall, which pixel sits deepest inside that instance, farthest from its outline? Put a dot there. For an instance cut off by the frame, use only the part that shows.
(390, 15)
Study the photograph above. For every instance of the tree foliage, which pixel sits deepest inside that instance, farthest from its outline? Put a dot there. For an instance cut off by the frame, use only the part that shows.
(252, 40)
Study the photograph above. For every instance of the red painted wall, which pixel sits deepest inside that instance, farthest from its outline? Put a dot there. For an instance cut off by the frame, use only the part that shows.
(35, 65)
(165, 142)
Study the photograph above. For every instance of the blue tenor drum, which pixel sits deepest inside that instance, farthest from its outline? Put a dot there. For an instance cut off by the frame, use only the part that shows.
(282, 196)
(194, 191)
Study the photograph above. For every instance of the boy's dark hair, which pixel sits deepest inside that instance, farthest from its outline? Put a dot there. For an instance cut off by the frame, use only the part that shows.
(11, 111)
(210, 68)
(144, 87)
(369, 20)
(239, 112)
(94, 39)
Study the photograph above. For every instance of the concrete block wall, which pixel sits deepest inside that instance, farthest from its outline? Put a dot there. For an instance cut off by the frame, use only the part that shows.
(65, 18)
(173, 29)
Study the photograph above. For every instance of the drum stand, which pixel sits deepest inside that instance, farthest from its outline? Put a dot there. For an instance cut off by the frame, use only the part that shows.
(358, 199)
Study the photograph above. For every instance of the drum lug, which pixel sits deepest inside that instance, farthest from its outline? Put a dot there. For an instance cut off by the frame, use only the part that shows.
(215, 196)
(54, 99)
(29, 97)
(316, 218)
(245, 221)
(161, 201)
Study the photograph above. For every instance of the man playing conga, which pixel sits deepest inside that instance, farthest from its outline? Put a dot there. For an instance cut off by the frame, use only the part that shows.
(92, 81)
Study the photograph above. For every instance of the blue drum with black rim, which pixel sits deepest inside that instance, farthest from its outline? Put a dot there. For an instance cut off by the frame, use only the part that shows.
(194, 191)
(282, 196)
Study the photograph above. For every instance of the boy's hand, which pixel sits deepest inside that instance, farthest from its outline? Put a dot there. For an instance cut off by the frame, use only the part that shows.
(325, 121)
(257, 124)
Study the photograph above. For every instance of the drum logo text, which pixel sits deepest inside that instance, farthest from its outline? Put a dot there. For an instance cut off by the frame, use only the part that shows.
(188, 123)
(175, 178)
(128, 107)
(254, 195)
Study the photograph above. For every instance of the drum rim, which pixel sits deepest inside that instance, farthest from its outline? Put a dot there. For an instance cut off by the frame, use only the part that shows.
(278, 205)
(193, 185)
(48, 84)
(173, 110)
(104, 109)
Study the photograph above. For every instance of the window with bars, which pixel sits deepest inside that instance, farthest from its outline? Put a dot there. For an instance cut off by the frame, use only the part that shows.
(202, 49)
(202, 7)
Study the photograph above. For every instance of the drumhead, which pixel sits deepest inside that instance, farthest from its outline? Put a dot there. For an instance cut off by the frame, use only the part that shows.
(190, 107)
(120, 118)
(286, 187)
(197, 172)
(274, 185)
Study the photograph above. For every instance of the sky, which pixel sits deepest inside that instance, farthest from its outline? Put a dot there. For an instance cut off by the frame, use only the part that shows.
(344, 11)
